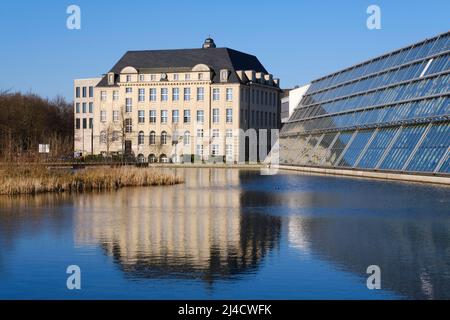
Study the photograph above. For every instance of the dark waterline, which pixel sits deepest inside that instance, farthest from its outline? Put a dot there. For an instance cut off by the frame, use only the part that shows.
(230, 234)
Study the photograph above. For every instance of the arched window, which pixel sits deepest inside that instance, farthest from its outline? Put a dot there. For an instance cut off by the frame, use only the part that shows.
(141, 138)
(152, 158)
(187, 138)
(140, 158)
(152, 137)
(163, 158)
(163, 137)
(103, 137)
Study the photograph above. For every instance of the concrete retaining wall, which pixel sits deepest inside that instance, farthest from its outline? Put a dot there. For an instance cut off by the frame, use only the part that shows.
(445, 180)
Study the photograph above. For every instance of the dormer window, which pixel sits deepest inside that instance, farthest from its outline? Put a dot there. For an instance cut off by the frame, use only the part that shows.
(224, 75)
(110, 78)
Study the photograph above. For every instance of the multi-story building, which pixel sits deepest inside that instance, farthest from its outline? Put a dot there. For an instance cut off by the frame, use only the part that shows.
(290, 101)
(163, 105)
(84, 90)
(389, 114)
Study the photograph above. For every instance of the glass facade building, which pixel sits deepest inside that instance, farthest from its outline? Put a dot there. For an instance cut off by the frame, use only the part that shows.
(390, 113)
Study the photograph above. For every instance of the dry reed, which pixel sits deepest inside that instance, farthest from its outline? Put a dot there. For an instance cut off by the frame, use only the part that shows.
(38, 179)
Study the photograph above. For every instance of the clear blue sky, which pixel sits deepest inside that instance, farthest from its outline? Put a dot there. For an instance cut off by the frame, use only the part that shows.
(296, 40)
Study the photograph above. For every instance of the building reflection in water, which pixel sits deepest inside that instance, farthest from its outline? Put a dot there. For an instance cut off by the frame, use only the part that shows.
(195, 230)
(352, 231)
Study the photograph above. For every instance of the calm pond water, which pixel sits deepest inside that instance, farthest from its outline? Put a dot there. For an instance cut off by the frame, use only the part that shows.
(230, 234)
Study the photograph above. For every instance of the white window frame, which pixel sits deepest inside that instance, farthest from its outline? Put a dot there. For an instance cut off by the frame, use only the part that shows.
(216, 115)
(175, 94)
(164, 116)
(152, 116)
(141, 116)
(164, 94)
(200, 93)
(229, 94)
(153, 94)
(216, 94)
(187, 94)
(200, 116)
(141, 94)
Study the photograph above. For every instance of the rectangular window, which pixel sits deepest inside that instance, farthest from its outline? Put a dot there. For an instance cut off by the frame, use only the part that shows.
(77, 123)
(128, 90)
(229, 115)
(175, 116)
(128, 125)
(216, 94)
(229, 133)
(141, 77)
(115, 95)
(91, 92)
(187, 116)
(84, 107)
(77, 92)
(91, 107)
(229, 94)
(152, 116)
(215, 133)
(164, 94)
(77, 107)
(163, 116)
(215, 117)
(128, 78)
(128, 105)
(153, 77)
(187, 94)
(187, 76)
(175, 94)
(152, 94)
(215, 150)
(103, 95)
(229, 150)
(84, 93)
(84, 123)
(200, 94)
(199, 149)
(103, 116)
(175, 77)
(141, 116)
(200, 116)
(199, 133)
(115, 116)
(200, 76)
(141, 97)
(91, 123)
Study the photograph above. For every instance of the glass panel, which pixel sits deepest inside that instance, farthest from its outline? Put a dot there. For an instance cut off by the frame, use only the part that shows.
(446, 166)
(402, 147)
(321, 149)
(309, 147)
(338, 147)
(432, 149)
(376, 149)
(355, 149)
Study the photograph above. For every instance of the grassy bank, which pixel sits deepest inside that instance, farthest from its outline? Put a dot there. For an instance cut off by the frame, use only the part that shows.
(38, 179)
